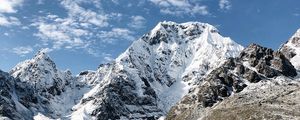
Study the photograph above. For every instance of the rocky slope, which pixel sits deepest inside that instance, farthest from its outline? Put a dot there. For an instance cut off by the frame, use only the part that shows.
(275, 99)
(256, 69)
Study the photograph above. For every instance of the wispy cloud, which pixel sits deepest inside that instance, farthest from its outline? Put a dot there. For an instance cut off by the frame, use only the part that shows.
(9, 21)
(8, 7)
(73, 31)
(116, 34)
(60, 33)
(225, 4)
(180, 7)
(296, 14)
(107, 58)
(86, 16)
(22, 50)
(137, 22)
(85, 28)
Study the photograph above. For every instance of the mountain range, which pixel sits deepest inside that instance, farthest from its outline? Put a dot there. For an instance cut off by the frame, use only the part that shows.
(184, 71)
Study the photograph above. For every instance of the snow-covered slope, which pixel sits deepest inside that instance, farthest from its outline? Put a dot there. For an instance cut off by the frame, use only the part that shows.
(156, 71)
(291, 49)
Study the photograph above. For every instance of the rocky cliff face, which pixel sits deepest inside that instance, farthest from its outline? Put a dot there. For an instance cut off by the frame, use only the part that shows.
(8, 105)
(255, 65)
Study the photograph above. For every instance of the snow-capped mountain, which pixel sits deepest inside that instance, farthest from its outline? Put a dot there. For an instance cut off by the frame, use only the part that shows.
(291, 49)
(156, 71)
(178, 70)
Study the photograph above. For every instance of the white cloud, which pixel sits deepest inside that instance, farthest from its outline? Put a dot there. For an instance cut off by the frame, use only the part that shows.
(80, 14)
(137, 22)
(224, 4)
(8, 6)
(22, 51)
(73, 31)
(115, 1)
(6, 34)
(40, 2)
(180, 7)
(108, 58)
(116, 34)
(83, 28)
(46, 50)
(60, 34)
(296, 14)
(9, 21)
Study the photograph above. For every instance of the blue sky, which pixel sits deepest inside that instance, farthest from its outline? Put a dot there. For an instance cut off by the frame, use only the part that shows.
(81, 34)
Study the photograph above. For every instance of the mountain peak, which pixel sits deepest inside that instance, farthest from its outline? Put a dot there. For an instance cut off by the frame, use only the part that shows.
(255, 46)
(170, 32)
(291, 49)
(298, 31)
(41, 72)
(293, 41)
(42, 54)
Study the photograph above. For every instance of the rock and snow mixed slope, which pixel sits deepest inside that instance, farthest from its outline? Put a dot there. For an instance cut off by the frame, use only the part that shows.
(256, 69)
(39, 88)
(41, 72)
(291, 49)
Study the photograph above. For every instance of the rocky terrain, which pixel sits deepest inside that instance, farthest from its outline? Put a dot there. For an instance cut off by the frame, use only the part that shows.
(259, 84)
(176, 71)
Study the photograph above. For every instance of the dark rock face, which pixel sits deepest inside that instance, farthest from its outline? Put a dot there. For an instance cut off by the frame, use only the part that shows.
(118, 94)
(7, 105)
(220, 83)
(263, 63)
(268, 62)
(283, 65)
